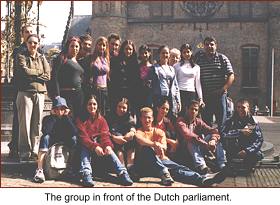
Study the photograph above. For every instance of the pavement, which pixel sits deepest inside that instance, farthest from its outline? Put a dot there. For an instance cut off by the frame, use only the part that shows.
(15, 174)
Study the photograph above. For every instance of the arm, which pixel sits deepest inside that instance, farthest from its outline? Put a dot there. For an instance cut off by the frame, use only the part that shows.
(186, 133)
(84, 136)
(105, 133)
(198, 84)
(46, 76)
(29, 71)
(257, 142)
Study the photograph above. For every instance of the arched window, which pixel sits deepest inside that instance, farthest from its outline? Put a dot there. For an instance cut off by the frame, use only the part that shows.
(250, 61)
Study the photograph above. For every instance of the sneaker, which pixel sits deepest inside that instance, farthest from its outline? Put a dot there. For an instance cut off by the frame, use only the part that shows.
(125, 179)
(210, 179)
(87, 179)
(39, 176)
(203, 169)
(166, 179)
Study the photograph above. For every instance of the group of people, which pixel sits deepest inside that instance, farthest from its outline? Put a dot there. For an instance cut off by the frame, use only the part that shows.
(129, 115)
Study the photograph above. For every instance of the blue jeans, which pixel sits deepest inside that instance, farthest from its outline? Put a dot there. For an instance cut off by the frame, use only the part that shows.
(156, 167)
(47, 141)
(197, 153)
(105, 161)
(215, 105)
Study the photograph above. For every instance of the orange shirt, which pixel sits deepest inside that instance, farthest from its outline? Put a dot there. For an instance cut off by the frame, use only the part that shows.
(155, 135)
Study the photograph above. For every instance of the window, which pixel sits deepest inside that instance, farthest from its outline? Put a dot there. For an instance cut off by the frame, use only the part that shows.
(160, 9)
(240, 9)
(250, 57)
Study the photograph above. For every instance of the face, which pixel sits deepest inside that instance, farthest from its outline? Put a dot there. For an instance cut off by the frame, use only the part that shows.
(92, 107)
(86, 45)
(114, 46)
(32, 45)
(147, 119)
(145, 55)
(121, 109)
(186, 54)
(163, 110)
(174, 58)
(27, 31)
(242, 109)
(59, 111)
(210, 47)
(101, 47)
(193, 111)
(128, 50)
(164, 55)
(73, 49)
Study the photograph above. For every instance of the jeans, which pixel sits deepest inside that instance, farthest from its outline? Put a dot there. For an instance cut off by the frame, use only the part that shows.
(197, 152)
(47, 141)
(105, 161)
(216, 105)
(157, 167)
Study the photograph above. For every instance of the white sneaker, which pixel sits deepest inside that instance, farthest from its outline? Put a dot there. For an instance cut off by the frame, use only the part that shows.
(39, 176)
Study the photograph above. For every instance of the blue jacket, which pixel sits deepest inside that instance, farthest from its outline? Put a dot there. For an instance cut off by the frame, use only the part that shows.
(233, 126)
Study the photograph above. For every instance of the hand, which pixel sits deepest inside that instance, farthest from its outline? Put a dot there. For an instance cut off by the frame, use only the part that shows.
(242, 153)
(108, 150)
(179, 107)
(246, 131)
(67, 111)
(99, 151)
(129, 136)
(173, 145)
(212, 145)
(119, 139)
(201, 103)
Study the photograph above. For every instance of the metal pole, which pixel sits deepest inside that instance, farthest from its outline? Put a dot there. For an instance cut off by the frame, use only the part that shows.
(38, 17)
(272, 82)
(17, 26)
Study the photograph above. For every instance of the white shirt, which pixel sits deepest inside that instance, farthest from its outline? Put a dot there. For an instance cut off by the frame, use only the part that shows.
(188, 77)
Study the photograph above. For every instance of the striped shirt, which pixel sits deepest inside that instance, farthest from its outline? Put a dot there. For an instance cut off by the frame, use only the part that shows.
(213, 72)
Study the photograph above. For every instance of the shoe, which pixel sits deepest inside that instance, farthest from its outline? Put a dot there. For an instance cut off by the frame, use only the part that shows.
(166, 179)
(133, 174)
(87, 179)
(203, 169)
(210, 179)
(125, 179)
(39, 176)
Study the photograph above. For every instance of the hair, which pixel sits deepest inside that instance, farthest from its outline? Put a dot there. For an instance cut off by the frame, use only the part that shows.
(23, 28)
(85, 114)
(65, 49)
(115, 36)
(162, 47)
(33, 35)
(243, 101)
(160, 102)
(209, 39)
(86, 37)
(194, 103)
(124, 44)
(175, 51)
(106, 55)
(186, 46)
(145, 110)
(144, 48)
(123, 101)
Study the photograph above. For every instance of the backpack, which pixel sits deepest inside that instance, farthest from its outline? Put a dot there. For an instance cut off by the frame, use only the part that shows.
(56, 161)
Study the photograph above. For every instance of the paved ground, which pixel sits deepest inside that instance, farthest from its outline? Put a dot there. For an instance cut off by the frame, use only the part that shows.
(14, 175)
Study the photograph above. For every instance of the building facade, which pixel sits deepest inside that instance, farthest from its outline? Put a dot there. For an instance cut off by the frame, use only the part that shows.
(247, 32)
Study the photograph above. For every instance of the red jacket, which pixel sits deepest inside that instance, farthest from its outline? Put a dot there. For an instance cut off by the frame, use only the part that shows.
(199, 128)
(94, 133)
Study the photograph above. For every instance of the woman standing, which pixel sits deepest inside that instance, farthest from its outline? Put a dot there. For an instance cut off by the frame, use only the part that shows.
(67, 76)
(125, 76)
(188, 77)
(33, 72)
(96, 142)
(164, 82)
(97, 68)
